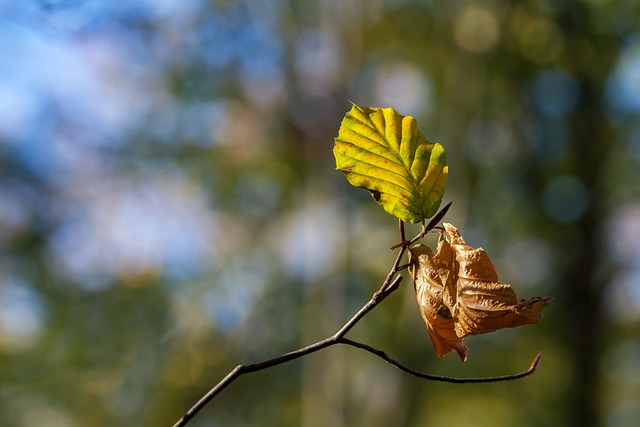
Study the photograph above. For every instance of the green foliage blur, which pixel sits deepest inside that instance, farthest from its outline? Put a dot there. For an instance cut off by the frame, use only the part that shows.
(169, 208)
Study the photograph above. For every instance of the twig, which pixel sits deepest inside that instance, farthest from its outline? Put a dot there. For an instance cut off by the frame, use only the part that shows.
(430, 377)
(390, 285)
(432, 224)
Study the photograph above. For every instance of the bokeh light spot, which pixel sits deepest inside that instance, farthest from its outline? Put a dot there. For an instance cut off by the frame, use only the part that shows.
(565, 198)
(404, 87)
(540, 40)
(555, 93)
(623, 85)
(526, 261)
(490, 142)
(21, 315)
(476, 29)
(317, 60)
(623, 297)
(621, 234)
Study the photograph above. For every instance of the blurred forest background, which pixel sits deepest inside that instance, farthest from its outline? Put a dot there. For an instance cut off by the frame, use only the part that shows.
(169, 208)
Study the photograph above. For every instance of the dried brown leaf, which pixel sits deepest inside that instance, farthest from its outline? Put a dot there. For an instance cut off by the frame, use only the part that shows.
(459, 294)
(429, 280)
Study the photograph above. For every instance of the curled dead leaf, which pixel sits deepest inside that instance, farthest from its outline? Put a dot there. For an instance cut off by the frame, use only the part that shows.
(459, 294)
(429, 280)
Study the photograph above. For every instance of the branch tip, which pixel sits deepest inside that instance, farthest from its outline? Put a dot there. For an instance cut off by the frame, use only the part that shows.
(438, 217)
(535, 363)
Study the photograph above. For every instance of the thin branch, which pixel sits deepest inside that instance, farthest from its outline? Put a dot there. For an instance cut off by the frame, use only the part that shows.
(432, 224)
(430, 377)
(390, 285)
(385, 290)
(437, 218)
(246, 369)
(401, 228)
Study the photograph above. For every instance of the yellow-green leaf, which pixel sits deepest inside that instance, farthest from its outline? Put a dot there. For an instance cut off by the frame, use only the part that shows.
(385, 153)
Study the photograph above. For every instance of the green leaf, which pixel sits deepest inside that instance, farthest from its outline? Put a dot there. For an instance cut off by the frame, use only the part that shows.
(385, 153)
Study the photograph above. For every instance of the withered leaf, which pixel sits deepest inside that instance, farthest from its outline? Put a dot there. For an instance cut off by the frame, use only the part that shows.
(459, 294)
(429, 281)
